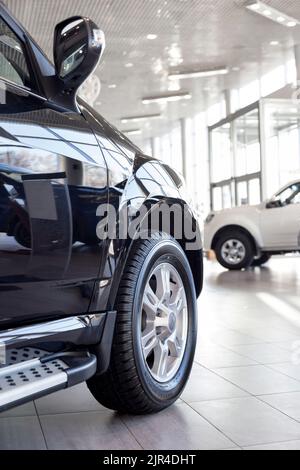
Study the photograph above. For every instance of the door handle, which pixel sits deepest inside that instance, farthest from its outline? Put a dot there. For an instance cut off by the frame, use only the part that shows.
(45, 176)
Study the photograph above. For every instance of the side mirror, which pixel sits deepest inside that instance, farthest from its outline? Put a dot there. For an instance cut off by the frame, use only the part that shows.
(78, 47)
(274, 204)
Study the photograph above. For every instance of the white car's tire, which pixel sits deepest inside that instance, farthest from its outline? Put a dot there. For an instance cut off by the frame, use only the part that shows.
(263, 259)
(234, 250)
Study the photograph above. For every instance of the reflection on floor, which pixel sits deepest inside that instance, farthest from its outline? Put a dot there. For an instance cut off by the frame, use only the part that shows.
(244, 391)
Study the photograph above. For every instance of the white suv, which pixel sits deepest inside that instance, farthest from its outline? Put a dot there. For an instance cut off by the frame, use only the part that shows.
(249, 235)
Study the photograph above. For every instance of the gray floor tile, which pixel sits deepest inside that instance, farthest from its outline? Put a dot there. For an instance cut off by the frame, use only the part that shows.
(264, 353)
(248, 421)
(21, 434)
(227, 337)
(87, 431)
(266, 333)
(290, 445)
(259, 380)
(236, 330)
(206, 385)
(287, 403)
(72, 400)
(24, 410)
(287, 368)
(179, 427)
(220, 357)
(286, 345)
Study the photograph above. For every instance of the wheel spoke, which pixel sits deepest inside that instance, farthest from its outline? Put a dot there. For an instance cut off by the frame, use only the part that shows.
(161, 321)
(149, 341)
(175, 345)
(178, 303)
(150, 302)
(163, 283)
(161, 354)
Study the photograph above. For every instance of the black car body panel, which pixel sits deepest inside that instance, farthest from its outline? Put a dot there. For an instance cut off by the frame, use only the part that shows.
(68, 161)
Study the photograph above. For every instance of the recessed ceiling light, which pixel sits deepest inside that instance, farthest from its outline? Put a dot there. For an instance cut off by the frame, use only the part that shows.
(274, 43)
(144, 117)
(129, 65)
(167, 98)
(198, 74)
(151, 37)
(254, 6)
(133, 132)
(113, 85)
(271, 13)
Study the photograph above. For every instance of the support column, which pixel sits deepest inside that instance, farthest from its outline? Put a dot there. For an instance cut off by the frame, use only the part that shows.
(152, 146)
(183, 148)
(226, 94)
(297, 60)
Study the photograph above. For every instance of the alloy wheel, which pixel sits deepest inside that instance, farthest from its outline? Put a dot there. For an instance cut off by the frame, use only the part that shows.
(164, 322)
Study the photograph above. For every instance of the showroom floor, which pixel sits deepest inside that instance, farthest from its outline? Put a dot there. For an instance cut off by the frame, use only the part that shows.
(244, 391)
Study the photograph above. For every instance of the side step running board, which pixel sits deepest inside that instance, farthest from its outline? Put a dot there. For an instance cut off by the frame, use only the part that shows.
(25, 381)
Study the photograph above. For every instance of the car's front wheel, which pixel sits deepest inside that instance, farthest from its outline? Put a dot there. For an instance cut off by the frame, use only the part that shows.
(234, 250)
(156, 330)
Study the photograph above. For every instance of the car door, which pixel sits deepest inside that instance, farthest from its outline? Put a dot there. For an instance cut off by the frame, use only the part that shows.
(53, 177)
(280, 220)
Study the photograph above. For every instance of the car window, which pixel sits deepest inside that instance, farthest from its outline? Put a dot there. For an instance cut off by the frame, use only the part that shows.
(290, 195)
(13, 66)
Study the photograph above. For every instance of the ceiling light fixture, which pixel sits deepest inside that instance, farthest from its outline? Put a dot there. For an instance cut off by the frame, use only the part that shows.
(129, 65)
(199, 73)
(170, 97)
(112, 86)
(271, 13)
(144, 117)
(133, 132)
(151, 37)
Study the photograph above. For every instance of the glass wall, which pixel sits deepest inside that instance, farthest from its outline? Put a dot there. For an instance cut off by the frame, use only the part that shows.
(254, 152)
(235, 160)
(168, 147)
(281, 144)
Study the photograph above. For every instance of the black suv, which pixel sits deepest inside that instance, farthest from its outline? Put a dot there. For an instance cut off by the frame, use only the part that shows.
(100, 252)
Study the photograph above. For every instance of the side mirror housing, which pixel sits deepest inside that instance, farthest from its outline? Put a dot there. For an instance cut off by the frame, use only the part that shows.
(77, 49)
(274, 204)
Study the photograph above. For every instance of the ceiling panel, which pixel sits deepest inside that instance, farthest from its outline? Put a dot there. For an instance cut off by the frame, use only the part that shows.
(191, 34)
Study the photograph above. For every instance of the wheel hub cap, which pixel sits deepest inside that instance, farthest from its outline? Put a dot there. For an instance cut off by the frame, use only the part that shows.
(172, 322)
(233, 251)
(164, 322)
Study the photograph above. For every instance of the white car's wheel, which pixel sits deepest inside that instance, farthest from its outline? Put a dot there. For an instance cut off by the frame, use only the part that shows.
(234, 250)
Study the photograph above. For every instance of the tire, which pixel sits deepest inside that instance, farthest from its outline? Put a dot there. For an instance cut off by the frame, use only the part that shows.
(131, 385)
(239, 248)
(22, 235)
(264, 258)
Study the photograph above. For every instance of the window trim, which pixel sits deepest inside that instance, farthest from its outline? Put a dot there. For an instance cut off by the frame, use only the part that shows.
(24, 43)
(22, 88)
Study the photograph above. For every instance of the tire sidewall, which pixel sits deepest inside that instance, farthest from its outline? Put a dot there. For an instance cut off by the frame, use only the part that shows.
(249, 256)
(165, 251)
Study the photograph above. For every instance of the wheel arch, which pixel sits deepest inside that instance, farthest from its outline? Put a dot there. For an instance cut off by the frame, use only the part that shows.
(194, 255)
(234, 227)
